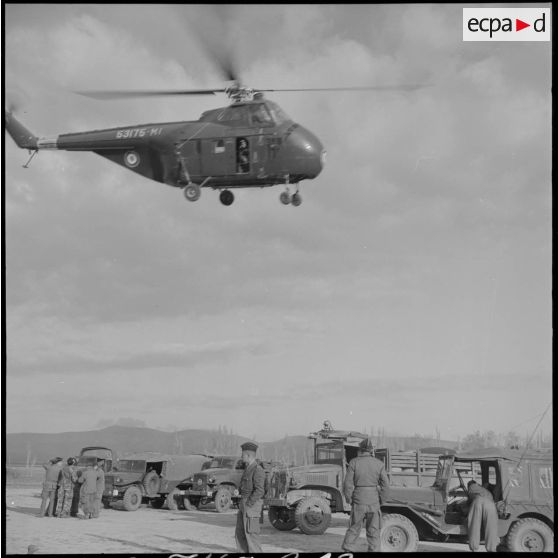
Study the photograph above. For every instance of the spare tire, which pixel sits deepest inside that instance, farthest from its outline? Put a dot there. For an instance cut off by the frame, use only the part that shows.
(152, 483)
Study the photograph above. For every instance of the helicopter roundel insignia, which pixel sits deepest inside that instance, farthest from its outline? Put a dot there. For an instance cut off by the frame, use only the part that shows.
(132, 159)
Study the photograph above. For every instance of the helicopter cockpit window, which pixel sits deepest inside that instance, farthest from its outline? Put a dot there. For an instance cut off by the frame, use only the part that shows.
(260, 115)
(277, 113)
(234, 116)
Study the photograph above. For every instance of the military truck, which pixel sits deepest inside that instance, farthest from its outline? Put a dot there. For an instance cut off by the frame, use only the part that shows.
(520, 482)
(149, 477)
(218, 482)
(89, 456)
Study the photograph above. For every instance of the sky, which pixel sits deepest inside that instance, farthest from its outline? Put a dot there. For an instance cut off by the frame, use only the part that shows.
(411, 290)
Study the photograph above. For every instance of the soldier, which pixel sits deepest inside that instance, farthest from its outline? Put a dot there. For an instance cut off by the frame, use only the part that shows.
(482, 517)
(250, 506)
(100, 487)
(89, 490)
(365, 487)
(49, 486)
(68, 479)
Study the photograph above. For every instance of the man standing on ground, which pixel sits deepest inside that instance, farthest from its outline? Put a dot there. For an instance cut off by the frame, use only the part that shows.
(50, 485)
(68, 479)
(482, 517)
(250, 506)
(366, 484)
(100, 486)
(89, 490)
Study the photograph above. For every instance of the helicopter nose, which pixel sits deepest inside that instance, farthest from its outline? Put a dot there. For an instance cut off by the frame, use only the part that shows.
(310, 152)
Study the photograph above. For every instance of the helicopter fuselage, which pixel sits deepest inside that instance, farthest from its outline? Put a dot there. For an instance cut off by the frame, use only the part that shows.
(248, 144)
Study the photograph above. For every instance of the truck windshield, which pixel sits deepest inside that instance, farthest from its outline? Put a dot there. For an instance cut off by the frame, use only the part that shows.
(331, 452)
(222, 463)
(131, 465)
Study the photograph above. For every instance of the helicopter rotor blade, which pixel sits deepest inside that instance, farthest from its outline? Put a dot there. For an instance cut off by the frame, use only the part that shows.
(402, 87)
(213, 34)
(128, 94)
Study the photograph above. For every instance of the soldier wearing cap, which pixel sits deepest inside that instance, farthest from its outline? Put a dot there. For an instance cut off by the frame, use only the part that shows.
(366, 484)
(50, 486)
(250, 506)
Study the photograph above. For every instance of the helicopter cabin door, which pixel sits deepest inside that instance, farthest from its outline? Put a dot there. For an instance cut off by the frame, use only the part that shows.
(218, 156)
(189, 152)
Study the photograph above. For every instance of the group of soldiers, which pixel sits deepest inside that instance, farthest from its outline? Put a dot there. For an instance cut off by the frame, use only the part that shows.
(365, 486)
(67, 488)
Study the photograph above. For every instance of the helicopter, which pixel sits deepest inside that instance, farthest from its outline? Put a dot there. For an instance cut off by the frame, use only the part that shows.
(249, 143)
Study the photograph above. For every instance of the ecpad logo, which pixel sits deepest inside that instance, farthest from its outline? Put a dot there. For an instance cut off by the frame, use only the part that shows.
(506, 24)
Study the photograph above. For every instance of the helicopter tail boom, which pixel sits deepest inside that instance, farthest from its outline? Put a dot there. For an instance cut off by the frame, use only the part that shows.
(19, 133)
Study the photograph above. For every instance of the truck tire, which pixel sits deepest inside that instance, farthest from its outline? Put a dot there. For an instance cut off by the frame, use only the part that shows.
(132, 499)
(398, 534)
(175, 501)
(282, 518)
(312, 515)
(529, 535)
(191, 504)
(223, 499)
(157, 503)
(152, 483)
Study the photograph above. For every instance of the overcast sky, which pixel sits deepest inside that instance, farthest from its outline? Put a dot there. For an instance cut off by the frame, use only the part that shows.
(411, 289)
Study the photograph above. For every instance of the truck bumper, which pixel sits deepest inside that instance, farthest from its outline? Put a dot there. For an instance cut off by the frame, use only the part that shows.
(198, 493)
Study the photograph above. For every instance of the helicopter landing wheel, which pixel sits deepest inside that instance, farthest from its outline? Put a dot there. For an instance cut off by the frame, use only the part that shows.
(192, 192)
(296, 200)
(226, 197)
(285, 198)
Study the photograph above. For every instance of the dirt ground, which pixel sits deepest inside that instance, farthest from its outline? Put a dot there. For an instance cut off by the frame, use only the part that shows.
(160, 531)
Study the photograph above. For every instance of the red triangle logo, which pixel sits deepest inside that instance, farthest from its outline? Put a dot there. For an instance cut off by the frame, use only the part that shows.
(519, 25)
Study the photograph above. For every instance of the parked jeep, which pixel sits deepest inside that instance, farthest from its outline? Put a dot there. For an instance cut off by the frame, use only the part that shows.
(218, 482)
(149, 477)
(520, 482)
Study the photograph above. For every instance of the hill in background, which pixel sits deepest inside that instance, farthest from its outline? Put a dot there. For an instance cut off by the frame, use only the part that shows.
(29, 449)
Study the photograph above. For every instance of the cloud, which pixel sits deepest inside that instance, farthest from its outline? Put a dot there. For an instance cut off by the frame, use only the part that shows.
(424, 244)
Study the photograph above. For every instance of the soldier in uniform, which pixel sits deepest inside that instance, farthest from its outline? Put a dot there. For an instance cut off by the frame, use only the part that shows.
(365, 486)
(68, 478)
(100, 487)
(250, 506)
(482, 517)
(89, 480)
(50, 485)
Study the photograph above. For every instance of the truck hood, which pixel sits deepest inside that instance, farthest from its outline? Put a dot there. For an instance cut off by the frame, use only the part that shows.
(421, 496)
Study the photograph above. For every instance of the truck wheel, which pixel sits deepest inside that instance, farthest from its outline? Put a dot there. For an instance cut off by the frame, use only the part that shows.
(157, 503)
(191, 504)
(282, 518)
(151, 482)
(223, 499)
(106, 504)
(312, 515)
(132, 499)
(175, 501)
(530, 535)
(398, 534)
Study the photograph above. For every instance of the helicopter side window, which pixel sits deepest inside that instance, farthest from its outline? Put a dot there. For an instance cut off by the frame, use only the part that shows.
(242, 155)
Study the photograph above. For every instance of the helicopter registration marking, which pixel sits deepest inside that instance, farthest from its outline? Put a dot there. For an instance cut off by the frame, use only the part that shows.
(138, 133)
